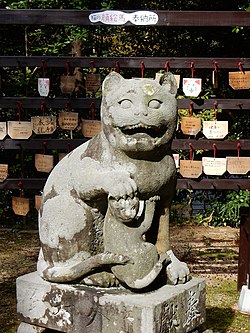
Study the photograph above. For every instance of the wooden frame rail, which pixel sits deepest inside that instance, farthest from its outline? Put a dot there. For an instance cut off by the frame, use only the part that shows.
(124, 62)
(183, 184)
(183, 144)
(166, 18)
(84, 103)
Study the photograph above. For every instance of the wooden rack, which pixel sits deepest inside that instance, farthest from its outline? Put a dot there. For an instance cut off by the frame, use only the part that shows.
(166, 19)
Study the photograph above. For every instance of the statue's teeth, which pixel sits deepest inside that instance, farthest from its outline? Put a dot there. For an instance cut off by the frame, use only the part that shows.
(137, 126)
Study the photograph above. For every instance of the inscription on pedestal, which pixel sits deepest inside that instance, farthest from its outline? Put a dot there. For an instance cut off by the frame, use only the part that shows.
(169, 320)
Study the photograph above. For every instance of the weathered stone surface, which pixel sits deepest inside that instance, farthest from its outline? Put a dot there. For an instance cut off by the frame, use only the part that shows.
(89, 214)
(29, 328)
(75, 308)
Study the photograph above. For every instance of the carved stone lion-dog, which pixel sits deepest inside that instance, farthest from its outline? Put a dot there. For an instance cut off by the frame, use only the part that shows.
(129, 158)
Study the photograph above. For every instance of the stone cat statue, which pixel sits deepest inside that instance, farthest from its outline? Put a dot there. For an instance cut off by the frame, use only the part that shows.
(130, 157)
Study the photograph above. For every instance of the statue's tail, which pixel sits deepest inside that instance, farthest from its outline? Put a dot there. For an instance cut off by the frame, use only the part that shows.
(76, 268)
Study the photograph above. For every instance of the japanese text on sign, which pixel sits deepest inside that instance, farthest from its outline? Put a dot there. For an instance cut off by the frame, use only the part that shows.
(116, 17)
(43, 124)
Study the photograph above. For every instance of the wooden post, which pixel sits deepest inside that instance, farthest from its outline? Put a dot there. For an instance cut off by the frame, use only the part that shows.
(244, 251)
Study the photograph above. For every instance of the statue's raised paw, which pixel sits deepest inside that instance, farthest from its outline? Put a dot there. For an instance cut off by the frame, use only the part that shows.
(120, 185)
(177, 271)
(102, 279)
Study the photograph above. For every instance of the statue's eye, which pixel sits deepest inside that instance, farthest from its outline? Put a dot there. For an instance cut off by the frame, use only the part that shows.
(154, 104)
(126, 103)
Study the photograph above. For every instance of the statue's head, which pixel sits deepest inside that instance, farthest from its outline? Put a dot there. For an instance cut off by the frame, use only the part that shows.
(139, 114)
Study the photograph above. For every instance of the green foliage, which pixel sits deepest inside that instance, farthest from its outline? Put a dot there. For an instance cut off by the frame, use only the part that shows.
(224, 208)
(240, 125)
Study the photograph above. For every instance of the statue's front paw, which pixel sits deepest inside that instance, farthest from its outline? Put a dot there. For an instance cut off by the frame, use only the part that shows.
(102, 279)
(120, 185)
(109, 258)
(177, 271)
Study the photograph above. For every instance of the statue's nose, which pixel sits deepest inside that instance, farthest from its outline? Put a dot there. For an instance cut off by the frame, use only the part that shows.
(141, 110)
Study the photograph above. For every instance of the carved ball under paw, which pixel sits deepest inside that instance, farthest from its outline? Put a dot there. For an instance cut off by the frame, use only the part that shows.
(125, 209)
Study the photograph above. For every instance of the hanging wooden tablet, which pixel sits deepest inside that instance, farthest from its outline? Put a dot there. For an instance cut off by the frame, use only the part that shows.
(3, 130)
(38, 202)
(176, 76)
(68, 84)
(191, 86)
(68, 120)
(43, 82)
(190, 125)
(43, 124)
(214, 166)
(43, 86)
(190, 168)
(176, 159)
(19, 129)
(239, 80)
(90, 128)
(215, 81)
(214, 129)
(177, 79)
(3, 172)
(93, 82)
(44, 163)
(238, 165)
(20, 206)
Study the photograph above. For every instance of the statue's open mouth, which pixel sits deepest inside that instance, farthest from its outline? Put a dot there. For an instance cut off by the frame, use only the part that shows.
(154, 132)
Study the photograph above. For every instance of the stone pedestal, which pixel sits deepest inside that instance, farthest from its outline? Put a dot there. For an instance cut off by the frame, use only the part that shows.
(81, 309)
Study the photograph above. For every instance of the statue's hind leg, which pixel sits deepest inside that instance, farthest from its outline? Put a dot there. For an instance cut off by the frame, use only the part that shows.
(66, 234)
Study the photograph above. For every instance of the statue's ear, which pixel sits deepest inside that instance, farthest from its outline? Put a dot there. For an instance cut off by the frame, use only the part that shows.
(169, 80)
(111, 81)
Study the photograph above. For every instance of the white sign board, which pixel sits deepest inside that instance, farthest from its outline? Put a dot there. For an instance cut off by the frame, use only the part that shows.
(117, 17)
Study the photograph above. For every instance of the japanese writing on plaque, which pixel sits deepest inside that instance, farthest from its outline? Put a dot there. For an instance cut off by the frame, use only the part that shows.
(43, 124)
(143, 18)
(169, 319)
(109, 17)
(192, 312)
(116, 17)
(20, 206)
